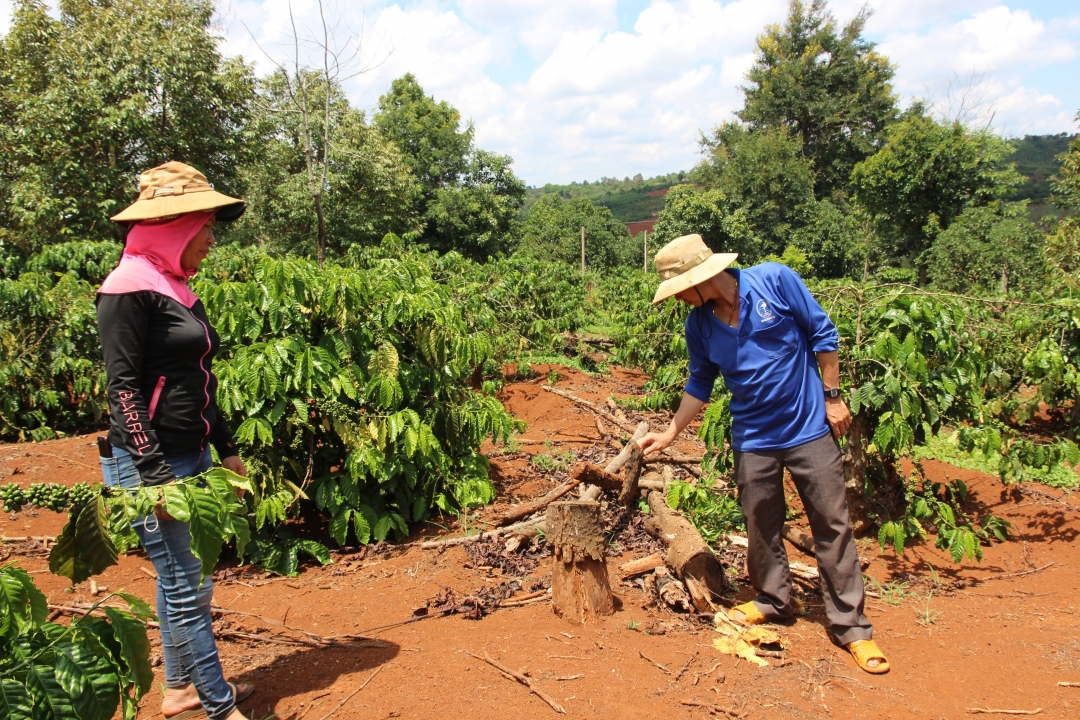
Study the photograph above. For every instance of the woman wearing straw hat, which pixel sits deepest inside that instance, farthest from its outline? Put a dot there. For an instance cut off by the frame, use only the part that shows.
(158, 347)
(761, 328)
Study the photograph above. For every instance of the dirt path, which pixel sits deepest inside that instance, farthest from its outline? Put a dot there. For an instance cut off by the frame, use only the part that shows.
(957, 638)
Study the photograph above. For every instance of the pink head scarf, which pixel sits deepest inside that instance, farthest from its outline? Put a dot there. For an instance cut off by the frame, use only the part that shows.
(162, 242)
(151, 259)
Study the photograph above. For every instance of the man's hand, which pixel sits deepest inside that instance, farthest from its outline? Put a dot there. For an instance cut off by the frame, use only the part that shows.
(655, 442)
(838, 415)
(236, 465)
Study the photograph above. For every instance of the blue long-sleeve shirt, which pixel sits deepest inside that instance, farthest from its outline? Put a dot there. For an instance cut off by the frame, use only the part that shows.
(768, 363)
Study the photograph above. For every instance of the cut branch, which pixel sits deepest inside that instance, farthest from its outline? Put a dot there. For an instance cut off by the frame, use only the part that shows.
(527, 509)
(524, 680)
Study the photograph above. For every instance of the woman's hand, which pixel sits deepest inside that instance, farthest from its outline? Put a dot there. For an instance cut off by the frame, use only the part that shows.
(656, 442)
(236, 465)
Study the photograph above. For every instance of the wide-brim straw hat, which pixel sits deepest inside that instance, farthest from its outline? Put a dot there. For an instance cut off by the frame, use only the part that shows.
(174, 189)
(686, 261)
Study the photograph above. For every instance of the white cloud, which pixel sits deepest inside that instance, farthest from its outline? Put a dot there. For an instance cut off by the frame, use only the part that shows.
(557, 84)
(997, 39)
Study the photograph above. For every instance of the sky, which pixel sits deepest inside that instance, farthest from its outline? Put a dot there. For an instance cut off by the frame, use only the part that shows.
(580, 89)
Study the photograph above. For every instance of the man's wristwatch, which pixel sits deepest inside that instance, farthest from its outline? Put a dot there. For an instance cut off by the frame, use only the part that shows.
(832, 393)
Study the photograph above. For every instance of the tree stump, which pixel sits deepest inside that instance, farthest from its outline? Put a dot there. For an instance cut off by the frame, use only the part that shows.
(579, 580)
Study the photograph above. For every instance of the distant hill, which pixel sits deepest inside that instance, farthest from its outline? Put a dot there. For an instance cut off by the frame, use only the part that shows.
(636, 201)
(631, 200)
(1036, 159)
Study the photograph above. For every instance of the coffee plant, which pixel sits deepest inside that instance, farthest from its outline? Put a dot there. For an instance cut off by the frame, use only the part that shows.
(87, 670)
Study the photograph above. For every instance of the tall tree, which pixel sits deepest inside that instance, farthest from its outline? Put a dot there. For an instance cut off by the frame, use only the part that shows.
(826, 85)
(764, 173)
(111, 88)
(992, 248)
(363, 188)
(925, 176)
(428, 132)
(469, 198)
(476, 216)
(708, 213)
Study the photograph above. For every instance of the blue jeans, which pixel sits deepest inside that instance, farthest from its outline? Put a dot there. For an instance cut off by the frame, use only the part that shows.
(183, 605)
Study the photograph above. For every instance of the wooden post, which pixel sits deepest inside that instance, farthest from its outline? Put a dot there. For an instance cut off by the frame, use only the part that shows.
(645, 262)
(579, 580)
(582, 249)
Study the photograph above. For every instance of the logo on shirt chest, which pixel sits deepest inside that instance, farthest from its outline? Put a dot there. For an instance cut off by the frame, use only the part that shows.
(764, 311)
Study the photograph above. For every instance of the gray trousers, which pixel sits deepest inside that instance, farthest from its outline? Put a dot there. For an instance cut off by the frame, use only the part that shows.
(818, 473)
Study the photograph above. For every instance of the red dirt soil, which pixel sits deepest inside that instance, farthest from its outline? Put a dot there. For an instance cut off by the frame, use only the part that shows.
(957, 639)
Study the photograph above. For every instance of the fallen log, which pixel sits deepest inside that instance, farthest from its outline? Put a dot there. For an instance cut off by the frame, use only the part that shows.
(799, 539)
(687, 553)
(580, 590)
(641, 565)
(527, 509)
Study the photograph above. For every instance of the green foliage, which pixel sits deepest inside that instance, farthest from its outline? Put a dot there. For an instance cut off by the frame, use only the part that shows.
(552, 231)
(826, 85)
(86, 671)
(477, 215)
(352, 384)
(1066, 185)
(368, 189)
(51, 374)
(708, 213)
(941, 506)
(993, 248)
(469, 198)
(629, 199)
(713, 510)
(763, 173)
(104, 91)
(427, 132)
(925, 176)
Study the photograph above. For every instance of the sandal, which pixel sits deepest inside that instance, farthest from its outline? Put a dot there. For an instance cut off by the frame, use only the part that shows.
(866, 650)
(239, 693)
(751, 614)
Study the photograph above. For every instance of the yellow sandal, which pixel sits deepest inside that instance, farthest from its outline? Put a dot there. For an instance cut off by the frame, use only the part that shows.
(866, 650)
(751, 614)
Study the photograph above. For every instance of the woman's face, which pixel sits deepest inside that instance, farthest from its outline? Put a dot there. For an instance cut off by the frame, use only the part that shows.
(199, 247)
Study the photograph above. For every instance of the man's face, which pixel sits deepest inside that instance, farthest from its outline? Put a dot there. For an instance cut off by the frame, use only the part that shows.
(690, 296)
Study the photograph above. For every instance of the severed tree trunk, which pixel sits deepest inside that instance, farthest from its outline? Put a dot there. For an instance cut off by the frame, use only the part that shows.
(580, 589)
(631, 471)
(687, 553)
(855, 473)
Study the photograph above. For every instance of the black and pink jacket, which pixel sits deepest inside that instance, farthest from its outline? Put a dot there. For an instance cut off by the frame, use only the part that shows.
(158, 347)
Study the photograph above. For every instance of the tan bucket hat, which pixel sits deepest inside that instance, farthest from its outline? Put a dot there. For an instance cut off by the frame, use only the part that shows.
(174, 189)
(686, 261)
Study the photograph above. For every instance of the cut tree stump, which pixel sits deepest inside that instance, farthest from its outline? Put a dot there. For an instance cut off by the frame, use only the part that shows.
(580, 589)
(687, 553)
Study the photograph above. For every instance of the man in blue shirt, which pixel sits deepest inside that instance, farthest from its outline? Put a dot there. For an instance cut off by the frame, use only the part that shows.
(766, 334)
